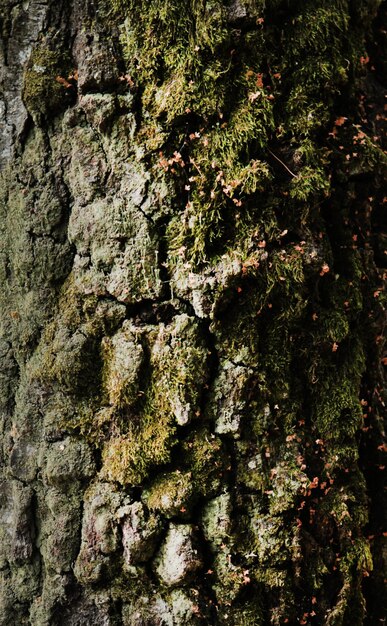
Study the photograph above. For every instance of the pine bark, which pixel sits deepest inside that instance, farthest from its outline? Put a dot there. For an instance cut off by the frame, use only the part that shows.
(191, 312)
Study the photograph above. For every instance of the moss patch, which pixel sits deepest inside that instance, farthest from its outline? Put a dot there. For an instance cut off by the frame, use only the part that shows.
(49, 81)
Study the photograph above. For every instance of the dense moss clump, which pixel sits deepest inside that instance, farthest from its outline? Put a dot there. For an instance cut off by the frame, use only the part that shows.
(49, 80)
(220, 102)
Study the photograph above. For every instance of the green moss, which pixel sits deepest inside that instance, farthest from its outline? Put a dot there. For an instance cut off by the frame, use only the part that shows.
(339, 412)
(172, 494)
(333, 326)
(202, 92)
(248, 613)
(127, 459)
(346, 504)
(234, 119)
(309, 182)
(230, 581)
(205, 457)
(177, 371)
(369, 156)
(211, 107)
(317, 42)
(350, 605)
(46, 87)
(64, 351)
(69, 353)
(180, 364)
(166, 34)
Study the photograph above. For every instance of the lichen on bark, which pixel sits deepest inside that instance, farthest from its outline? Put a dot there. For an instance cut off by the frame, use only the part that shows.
(191, 312)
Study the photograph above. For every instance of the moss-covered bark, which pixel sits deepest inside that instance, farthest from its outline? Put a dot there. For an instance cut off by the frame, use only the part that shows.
(191, 312)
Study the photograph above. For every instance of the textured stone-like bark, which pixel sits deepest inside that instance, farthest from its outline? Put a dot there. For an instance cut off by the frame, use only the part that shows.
(191, 312)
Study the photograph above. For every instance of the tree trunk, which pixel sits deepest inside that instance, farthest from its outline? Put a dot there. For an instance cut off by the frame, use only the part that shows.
(191, 312)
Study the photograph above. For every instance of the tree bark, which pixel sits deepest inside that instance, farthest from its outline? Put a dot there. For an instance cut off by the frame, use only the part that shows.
(191, 312)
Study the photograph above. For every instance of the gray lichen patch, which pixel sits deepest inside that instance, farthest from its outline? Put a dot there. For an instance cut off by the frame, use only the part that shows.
(17, 530)
(229, 401)
(179, 558)
(117, 250)
(152, 609)
(100, 533)
(35, 256)
(60, 518)
(177, 608)
(216, 520)
(68, 461)
(211, 289)
(140, 533)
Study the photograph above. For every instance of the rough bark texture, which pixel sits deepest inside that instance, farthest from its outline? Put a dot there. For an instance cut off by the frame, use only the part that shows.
(191, 312)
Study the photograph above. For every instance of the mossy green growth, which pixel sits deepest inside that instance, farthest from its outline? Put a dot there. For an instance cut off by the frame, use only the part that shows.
(205, 457)
(172, 494)
(178, 370)
(146, 441)
(65, 352)
(339, 411)
(217, 99)
(128, 458)
(180, 363)
(203, 96)
(46, 87)
(317, 45)
(69, 353)
(309, 182)
(250, 615)
(346, 504)
(350, 605)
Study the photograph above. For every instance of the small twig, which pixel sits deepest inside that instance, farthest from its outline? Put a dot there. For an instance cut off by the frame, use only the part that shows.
(282, 163)
(197, 167)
